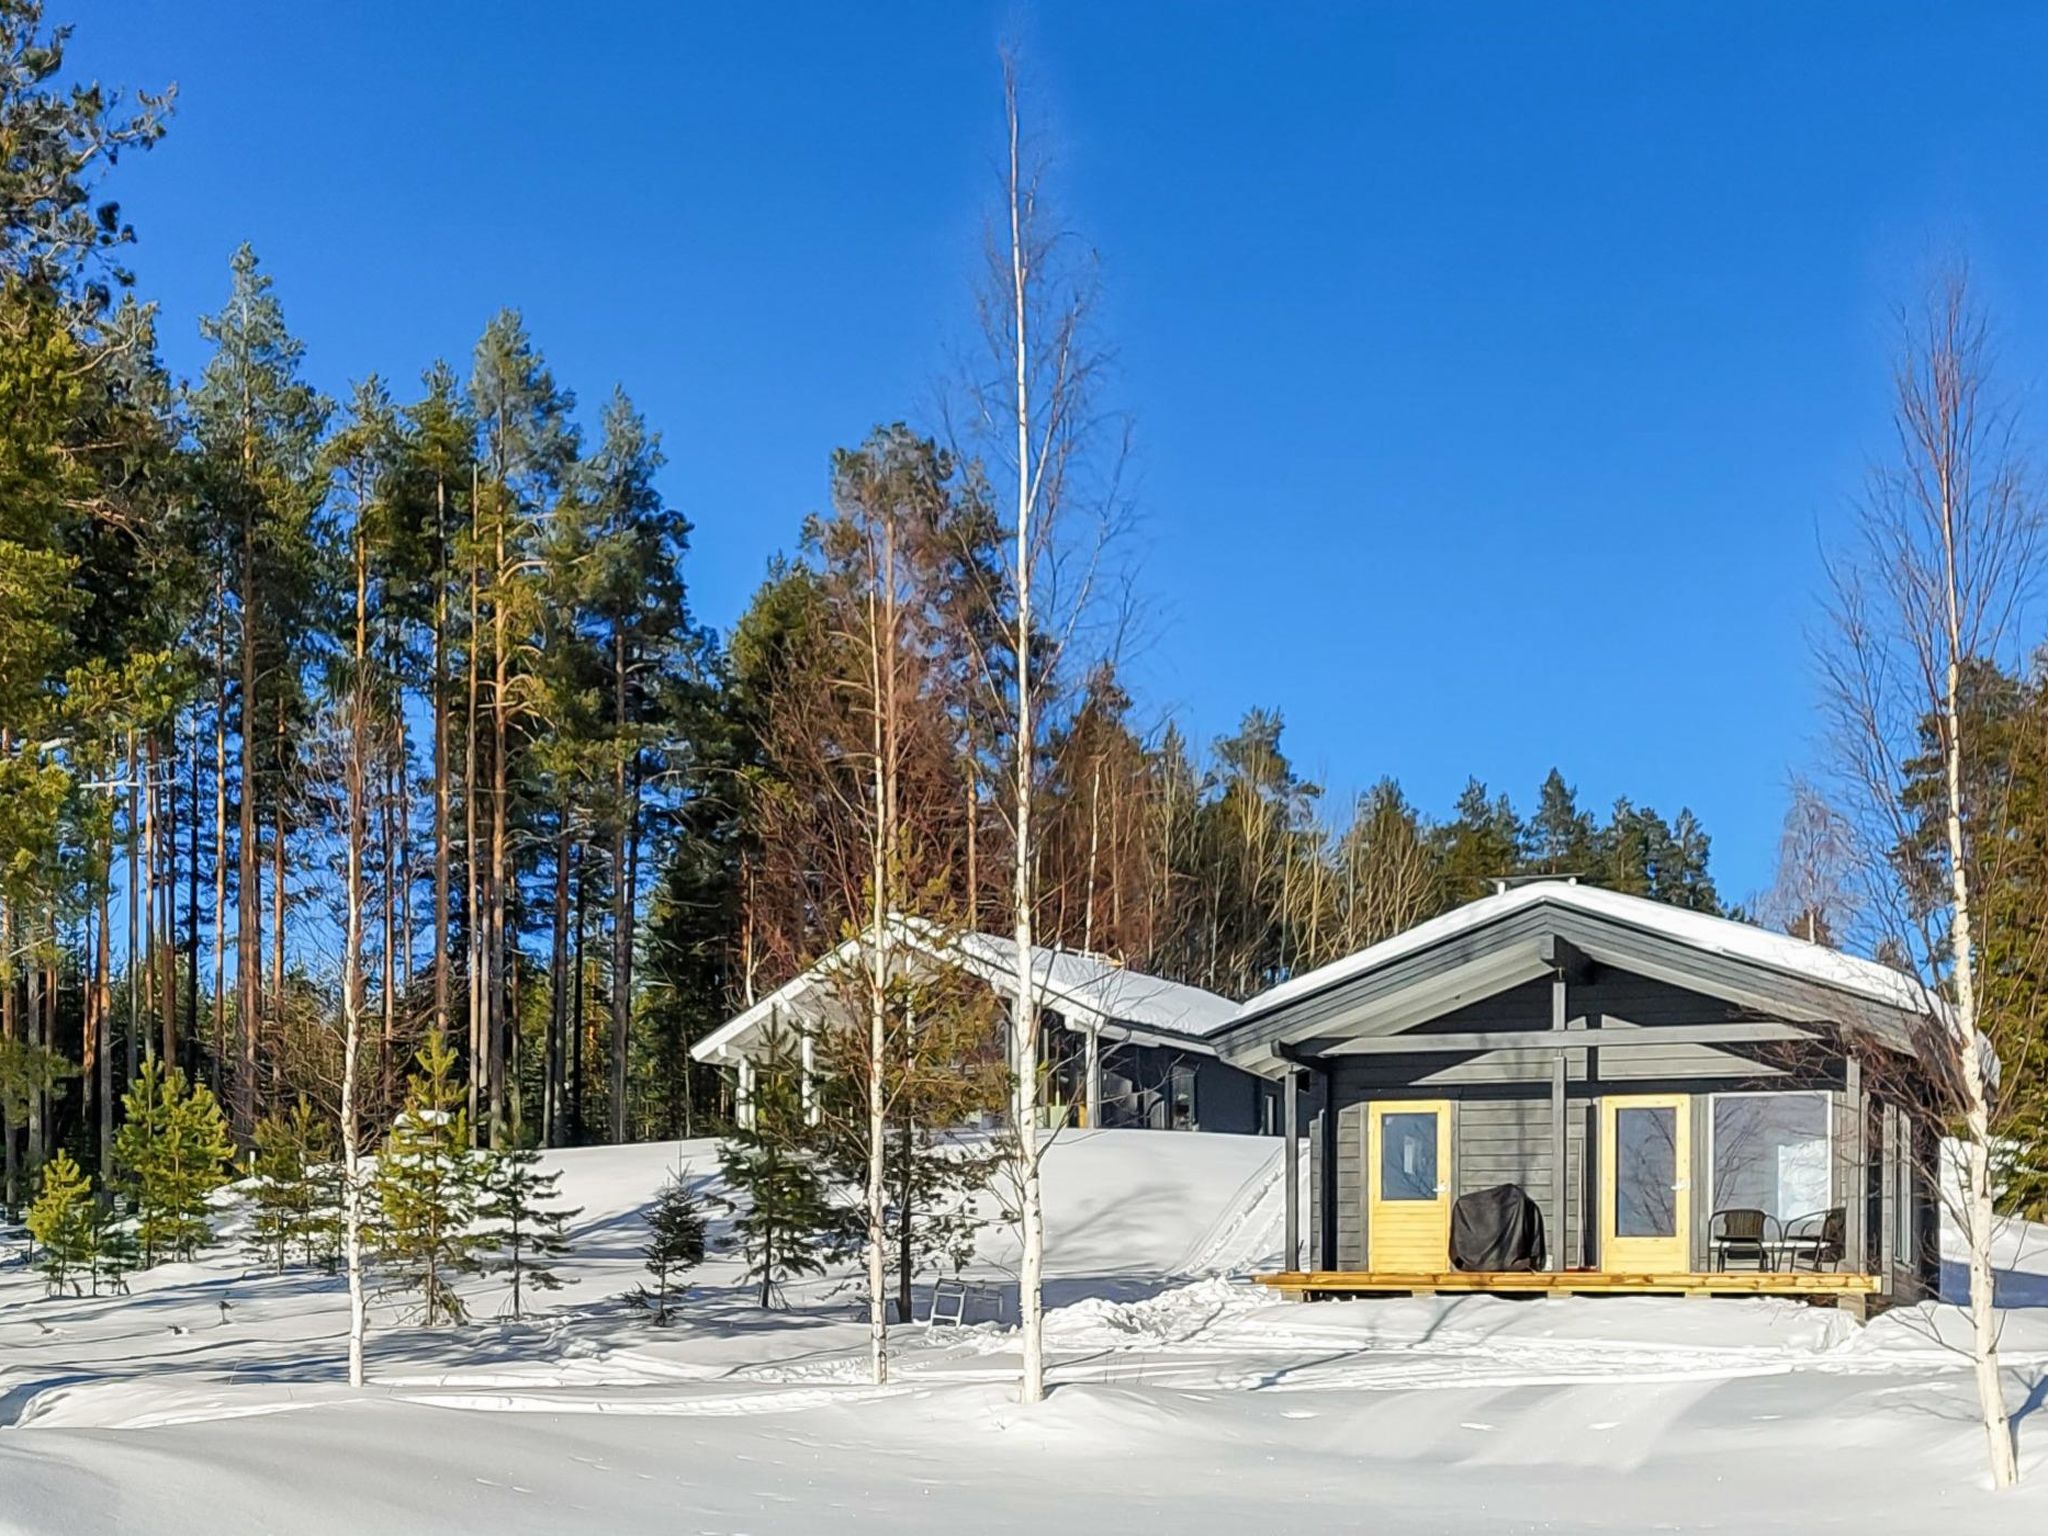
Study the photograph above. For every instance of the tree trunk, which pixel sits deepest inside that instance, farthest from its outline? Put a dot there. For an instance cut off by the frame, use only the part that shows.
(353, 1192)
(624, 829)
(440, 684)
(1024, 1021)
(192, 1036)
(498, 999)
(279, 866)
(1979, 1218)
(103, 1011)
(220, 862)
(577, 1047)
(558, 994)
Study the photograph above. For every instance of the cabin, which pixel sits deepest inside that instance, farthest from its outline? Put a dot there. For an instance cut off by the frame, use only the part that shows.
(1117, 1048)
(1659, 1100)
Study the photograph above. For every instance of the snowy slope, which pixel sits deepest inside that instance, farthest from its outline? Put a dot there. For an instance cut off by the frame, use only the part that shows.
(1183, 1401)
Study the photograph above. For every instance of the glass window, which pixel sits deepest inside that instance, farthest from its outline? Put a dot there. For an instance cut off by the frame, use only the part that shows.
(1771, 1154)
(1646, 1172)
(1408, 1156)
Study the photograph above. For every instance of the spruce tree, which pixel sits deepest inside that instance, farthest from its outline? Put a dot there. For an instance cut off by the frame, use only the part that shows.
(676, 1238)
(787, 1223)
(173, 1151)
(61, 1222)
(522, 1219)
(426, 1189)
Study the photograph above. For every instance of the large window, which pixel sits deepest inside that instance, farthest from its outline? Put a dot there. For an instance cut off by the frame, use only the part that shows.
(1408, 1156)
(1771, 1154)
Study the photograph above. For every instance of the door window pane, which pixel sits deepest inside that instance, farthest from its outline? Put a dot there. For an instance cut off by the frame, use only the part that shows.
(1408, 1156)
(1771, 1154)
(1645, 1172)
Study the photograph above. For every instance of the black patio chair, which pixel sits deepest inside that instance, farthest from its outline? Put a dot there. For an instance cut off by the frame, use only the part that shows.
(1743, 1233)
(1816, 1241)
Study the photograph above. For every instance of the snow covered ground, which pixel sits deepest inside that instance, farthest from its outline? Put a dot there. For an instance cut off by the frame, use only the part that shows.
(1184, 1400)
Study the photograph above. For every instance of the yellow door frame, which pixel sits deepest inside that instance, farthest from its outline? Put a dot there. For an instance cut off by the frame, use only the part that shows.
(1659, 1255)
(1408, 1236)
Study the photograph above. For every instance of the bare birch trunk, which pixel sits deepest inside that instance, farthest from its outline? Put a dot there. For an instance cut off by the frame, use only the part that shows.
(882, 676)
(1979, 1219)
(1024, 1024)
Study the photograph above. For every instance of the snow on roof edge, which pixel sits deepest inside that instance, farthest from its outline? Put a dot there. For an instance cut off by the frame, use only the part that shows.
(1700, 930)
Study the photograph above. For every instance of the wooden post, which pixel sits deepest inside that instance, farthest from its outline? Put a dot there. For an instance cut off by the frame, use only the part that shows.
(1326, 1203)
(1093, 1089)
(1856, 1194)
(808, 1078)
(743, 1099)
(1290, 1169)
(1560, 1140)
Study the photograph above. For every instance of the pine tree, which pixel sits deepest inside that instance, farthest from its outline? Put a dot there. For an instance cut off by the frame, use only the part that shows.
(787, 1224)
(173, 1150)
(114, 1250)
(519, 1213)
(296, 1200)
(676, 1238)
(1561, 837)
(61, 1221)
(1480, 844)
(259, 479)
(426, 1188)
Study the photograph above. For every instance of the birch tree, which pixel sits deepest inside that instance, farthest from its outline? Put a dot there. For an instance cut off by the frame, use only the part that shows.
(1942, 561)
(1035, 414)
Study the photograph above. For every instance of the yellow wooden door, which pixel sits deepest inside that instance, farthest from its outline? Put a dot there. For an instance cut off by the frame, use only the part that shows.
(1646, 1183)
(1408, 1187)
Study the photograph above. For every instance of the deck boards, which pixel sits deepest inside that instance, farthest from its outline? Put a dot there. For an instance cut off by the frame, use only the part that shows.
(1576, 1282)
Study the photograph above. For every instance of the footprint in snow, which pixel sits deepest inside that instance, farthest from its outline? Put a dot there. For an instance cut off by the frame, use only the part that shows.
(1298, 1413)
(1476, 1426)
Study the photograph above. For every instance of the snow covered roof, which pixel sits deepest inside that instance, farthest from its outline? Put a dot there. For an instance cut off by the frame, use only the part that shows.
(1084, 990)
(1865, 981)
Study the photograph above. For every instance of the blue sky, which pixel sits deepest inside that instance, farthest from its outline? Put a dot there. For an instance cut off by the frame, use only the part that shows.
(1496, 370)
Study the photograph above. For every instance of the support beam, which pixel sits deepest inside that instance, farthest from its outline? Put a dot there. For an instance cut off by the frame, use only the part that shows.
(1478, 1042)
(1560, 1142)
(1855, 1195)
(1290, 1168)
(1326, 1202)
(809, 1077)
(1094, 1084)
(743, 1095)
(1564, 957)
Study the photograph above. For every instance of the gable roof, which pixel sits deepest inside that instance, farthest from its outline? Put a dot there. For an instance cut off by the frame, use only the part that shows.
(1084, 990)
(1489, 944)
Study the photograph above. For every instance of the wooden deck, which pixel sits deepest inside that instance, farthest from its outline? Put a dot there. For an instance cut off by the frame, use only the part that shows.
(1806, 1284)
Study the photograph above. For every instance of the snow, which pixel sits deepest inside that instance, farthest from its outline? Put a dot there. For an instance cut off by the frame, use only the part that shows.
(1183, 1399)
(1700, 930)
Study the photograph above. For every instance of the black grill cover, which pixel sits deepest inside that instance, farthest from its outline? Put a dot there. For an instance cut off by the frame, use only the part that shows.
(1496, 1229)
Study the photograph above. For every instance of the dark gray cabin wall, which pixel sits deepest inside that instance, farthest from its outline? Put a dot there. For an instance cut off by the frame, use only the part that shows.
(1227, 1099)
(1501, 1130)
